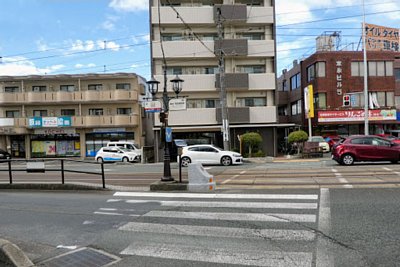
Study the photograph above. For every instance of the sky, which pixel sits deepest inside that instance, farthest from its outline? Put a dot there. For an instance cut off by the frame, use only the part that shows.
(39, 37)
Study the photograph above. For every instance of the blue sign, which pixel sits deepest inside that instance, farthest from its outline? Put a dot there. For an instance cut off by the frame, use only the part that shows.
(168, 134)
(49, 122)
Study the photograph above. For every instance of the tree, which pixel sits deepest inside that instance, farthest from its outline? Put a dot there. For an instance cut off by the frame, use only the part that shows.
(297, 138)
(252, 140)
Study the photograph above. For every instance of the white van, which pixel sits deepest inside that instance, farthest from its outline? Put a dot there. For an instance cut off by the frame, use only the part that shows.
(128, 145)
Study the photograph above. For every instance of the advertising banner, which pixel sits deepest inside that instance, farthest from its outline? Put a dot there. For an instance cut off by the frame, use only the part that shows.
(38, 122)
(381, 38)
(356, 115)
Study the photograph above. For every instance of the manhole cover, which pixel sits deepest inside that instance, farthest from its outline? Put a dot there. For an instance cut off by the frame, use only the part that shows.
(83, 257)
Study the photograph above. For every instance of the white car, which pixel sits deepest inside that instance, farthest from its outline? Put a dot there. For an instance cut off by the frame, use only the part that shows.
(321, 142)
(111, 154)
(209, 154)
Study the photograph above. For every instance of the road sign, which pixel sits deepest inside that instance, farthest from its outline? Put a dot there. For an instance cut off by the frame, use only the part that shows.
(168, 134)
(177, 104)
(152, 106)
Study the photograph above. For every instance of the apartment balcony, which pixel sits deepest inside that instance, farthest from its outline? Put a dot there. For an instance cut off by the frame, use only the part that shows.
(283, 98)
(261, 48)
(231, 14)
(192, 83)
(40, 97)
(66, 96)
(12, 98)
(207, 14)
(260, 15)
(189, 117)
(232, 47)
(234, 81)
(184, 49)
(241, 115)
(284, 119)
(105, 121)
(262, 81)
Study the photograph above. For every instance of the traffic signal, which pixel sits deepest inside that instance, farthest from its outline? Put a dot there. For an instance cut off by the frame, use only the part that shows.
(346, 100)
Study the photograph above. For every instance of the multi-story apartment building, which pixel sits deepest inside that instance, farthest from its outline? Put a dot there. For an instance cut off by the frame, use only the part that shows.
(338, 84)
(186, 35)
(68, 115)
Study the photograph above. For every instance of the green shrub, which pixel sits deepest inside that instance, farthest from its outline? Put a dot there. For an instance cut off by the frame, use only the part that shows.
(252, 140)
(259, 154)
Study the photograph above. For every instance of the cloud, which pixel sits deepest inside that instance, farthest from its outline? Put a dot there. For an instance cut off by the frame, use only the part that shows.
(79, 65)
(109, 45)
(16, 66)
(108, 25)
(79, 45)
(129, 5)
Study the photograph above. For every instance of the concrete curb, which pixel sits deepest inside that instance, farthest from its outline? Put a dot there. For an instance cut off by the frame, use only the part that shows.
(169, 186)
(12, 255)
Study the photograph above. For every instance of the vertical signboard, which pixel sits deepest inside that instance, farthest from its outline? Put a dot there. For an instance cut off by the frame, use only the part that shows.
(309, 102)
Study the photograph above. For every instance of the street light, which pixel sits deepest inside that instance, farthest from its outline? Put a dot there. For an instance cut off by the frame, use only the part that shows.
(153, 89)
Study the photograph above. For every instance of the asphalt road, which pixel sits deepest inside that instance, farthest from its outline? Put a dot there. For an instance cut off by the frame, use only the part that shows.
(281, 173)
(324, 227)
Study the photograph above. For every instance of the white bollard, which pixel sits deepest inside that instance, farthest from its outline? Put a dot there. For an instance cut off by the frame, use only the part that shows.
(199, 179)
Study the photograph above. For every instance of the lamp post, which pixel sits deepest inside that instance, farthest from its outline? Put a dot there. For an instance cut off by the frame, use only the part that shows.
(153, 89)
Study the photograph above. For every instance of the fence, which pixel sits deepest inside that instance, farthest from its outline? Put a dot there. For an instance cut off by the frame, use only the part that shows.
(38, 166)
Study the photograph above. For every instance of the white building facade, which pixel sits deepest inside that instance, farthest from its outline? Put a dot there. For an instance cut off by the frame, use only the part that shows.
(185, 39)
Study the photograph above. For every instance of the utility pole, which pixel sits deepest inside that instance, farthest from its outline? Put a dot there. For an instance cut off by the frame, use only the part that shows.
(222, 92)
(366, 103)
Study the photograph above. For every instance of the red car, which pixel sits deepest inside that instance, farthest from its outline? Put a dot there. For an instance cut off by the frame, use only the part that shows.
(365, 148)
(390, 137)
(331, 140)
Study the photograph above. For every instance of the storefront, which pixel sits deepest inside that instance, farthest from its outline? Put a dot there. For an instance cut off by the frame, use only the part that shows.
(55, 143)
(100, 137)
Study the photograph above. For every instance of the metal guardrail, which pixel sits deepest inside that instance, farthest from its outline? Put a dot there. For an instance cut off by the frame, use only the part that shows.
(38, 166)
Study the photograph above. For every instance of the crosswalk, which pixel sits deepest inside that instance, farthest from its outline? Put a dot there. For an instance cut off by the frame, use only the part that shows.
(243, 229)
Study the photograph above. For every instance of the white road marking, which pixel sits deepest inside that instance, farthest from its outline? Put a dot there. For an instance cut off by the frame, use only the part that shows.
(265, 217)
(209, 204)
(234, 177)
(88, 222)
(385, 168)
(67, 247)
(323, 255)
(239, 256)
(217, 196)
(108, 213)
(342, 179)
(108, 209)
(230, 232)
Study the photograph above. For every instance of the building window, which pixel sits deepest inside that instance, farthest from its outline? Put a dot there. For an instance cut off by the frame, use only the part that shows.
(96, 87)
(11, 89)
(123, 86)
(251, 102)
(68, 112)
(174, 70)
(397, 74)
(203, 103)
(375, 68)
(315, 70)
(12, 113)
(284, 86)
(296, 108)
(124, 111)
(295, 81)
(172, 37)
(251, 69)
(320, 101)
(67, 88)
(252, 36)
(282, 111)
(39, 113)
(39, 88)
(95, 111)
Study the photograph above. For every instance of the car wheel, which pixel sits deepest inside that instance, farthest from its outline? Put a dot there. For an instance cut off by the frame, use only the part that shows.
(185, 161)
(226, 160)
(347, 159)
(100, 160)
(125, 159)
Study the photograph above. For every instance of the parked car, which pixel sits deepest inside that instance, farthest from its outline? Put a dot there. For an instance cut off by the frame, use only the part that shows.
(332, 140)
(4, 154)
(209, 154)
(365, 148)
(174, 147)
(322, 143)
(126, 144)
(112, 154)
(390, 137)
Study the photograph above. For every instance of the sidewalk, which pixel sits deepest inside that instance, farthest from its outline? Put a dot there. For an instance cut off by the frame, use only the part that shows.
(287, 158)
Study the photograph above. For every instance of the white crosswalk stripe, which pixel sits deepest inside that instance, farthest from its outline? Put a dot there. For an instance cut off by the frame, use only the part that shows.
(251, 229)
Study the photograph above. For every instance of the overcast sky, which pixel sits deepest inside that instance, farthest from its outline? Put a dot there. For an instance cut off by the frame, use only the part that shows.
(84, 36)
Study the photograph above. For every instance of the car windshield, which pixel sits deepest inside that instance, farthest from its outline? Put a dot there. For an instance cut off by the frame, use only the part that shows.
(317, 139)
(126, 149)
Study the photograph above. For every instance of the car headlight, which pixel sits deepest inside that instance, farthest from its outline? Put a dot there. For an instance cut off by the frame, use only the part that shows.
(236, 155)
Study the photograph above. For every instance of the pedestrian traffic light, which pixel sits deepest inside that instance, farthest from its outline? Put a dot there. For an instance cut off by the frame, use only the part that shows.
(346, 100)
